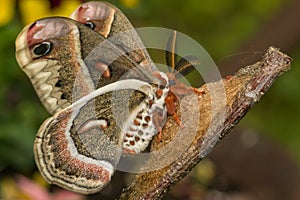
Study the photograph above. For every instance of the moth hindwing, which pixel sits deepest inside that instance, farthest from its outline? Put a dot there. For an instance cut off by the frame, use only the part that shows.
(79, 147)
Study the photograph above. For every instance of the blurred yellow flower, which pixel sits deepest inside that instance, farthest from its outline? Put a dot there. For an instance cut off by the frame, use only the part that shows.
(32, 10)
(130, 3)
(7, 11)
(66, 8)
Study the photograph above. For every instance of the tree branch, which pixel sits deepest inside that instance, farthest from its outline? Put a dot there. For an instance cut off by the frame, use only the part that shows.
(221, 105)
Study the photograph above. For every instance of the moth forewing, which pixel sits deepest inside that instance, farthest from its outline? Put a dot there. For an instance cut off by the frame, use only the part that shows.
(53, 69)
(111, 23)
(74, 64)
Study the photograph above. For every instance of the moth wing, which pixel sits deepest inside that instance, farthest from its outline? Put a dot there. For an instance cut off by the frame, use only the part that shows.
(65, 61)
(111, 23)
(79, 147)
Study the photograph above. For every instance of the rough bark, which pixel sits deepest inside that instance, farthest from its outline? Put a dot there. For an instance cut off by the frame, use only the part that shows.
(206, 118)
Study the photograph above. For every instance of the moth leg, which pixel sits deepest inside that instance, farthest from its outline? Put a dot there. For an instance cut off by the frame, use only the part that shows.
(184, 90)
(157, 119)
(171, 107)
(128, 151)
(198, 92)
(159, 135)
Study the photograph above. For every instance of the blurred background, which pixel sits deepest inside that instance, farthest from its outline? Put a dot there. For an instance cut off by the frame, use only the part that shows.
(259, 159)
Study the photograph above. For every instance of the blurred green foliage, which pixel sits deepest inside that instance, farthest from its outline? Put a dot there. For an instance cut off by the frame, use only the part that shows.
(220, 26)
(21, 113)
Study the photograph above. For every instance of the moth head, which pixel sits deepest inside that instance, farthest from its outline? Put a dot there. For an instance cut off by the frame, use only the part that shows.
(98, 16)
